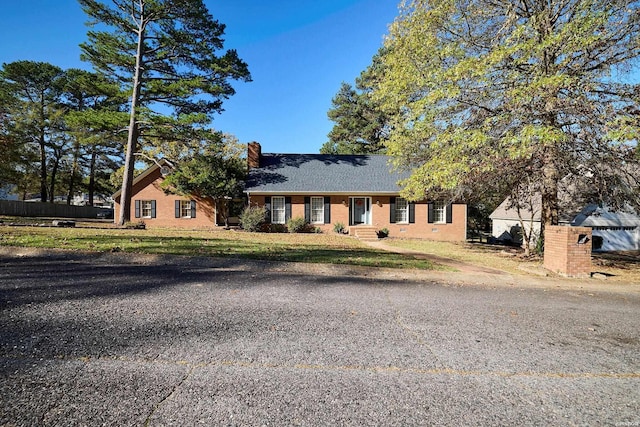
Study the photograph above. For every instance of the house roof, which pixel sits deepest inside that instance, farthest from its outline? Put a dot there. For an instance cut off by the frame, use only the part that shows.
(506, 211)
(323, 173)
(144, 174)
(589, 216)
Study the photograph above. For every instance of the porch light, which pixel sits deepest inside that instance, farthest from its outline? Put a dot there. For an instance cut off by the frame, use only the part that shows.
(378, 203)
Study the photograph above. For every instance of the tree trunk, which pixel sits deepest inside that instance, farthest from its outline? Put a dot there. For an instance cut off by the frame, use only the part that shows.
(74, 170)
(92, 176)
(43, 170)
(549, 209)
(54, 172)
(132, 138)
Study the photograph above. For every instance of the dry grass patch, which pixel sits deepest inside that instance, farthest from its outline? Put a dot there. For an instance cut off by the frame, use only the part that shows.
(497, 257)
(617, 266)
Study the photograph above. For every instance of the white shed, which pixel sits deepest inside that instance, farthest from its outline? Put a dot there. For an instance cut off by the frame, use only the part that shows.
(611, 231)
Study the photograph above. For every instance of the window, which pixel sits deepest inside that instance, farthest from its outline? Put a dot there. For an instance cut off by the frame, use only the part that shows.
(402, 210)
(439, 212)
(146, 208)
(317, 210)
(185, 209)
(278, 210)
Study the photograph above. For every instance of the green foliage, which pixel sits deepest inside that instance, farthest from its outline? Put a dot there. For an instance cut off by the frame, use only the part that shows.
(32, 126)
(382, 233)
(217, 171)
(361, 127)
(339, 228)
(168, 51)
(298, 225)
(252, 218)
(484, 94)
(53, 128)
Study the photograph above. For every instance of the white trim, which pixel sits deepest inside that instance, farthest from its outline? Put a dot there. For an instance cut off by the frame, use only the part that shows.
(321, 210)
(284, 209)
(367, 211)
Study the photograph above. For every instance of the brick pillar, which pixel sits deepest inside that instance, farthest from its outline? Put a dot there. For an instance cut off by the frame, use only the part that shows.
(254, 151)
(567, 250)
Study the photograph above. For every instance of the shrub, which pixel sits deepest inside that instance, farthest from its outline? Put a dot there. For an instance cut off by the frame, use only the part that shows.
(383, 233)
(252, 218)
(297, 225)
(338, 227)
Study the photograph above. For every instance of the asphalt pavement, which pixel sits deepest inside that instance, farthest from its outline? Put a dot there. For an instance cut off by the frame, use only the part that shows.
(159, 341)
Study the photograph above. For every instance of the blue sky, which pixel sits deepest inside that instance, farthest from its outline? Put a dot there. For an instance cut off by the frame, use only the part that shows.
(298, 52)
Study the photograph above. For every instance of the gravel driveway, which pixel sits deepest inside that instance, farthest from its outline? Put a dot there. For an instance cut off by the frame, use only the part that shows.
(93, 340)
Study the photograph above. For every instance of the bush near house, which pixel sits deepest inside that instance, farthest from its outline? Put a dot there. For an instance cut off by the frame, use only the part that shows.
(298, 225)
(252, 218)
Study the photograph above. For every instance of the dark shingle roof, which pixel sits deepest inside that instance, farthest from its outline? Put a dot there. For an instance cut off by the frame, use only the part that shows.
(323, 173)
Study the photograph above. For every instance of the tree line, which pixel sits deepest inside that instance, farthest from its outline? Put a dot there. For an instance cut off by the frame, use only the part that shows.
(160, 74)
(58, 130)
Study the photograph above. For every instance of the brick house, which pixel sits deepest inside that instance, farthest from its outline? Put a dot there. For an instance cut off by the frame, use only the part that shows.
(149, 203)
(358, 191)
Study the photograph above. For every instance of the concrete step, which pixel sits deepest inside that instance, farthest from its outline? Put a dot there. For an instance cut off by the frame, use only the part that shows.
(366, 233)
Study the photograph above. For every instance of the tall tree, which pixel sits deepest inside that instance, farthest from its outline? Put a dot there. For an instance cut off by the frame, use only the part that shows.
(93, 121)
(361, 126)
(166, 50)
(475, 86)
(34, 91)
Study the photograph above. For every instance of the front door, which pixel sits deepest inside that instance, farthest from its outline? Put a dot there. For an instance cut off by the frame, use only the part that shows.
(360, 210)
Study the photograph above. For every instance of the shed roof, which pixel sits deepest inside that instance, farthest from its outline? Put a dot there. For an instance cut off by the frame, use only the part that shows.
(324, 173)
(594, 216)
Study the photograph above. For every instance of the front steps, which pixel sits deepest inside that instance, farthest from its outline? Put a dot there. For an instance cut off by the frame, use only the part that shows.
(365, 233)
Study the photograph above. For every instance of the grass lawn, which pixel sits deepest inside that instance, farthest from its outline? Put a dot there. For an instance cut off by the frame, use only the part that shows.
(314, 248)
(619, 266)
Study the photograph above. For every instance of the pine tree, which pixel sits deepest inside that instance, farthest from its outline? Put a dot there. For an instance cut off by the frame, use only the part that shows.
(166, 50)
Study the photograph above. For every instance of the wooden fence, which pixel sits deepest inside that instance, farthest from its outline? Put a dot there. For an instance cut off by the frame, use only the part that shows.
(55, 210)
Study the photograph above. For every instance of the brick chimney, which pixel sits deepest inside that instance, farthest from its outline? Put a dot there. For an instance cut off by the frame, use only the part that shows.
(254, 152)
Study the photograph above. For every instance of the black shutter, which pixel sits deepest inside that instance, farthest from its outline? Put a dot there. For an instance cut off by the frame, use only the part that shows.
(177, 208)
(392, 210)
(267, 207)
(153, 209)
(430, 213)
(449, 214)
(350, 212)
(327, 210)
(287, 209)
(193, 209)
(307, 209)
(412, 212)
(137, 203)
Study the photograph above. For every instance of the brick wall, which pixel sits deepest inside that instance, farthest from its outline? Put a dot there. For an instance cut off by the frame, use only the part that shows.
(456, 231)
(567, 250)
(149, 189)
